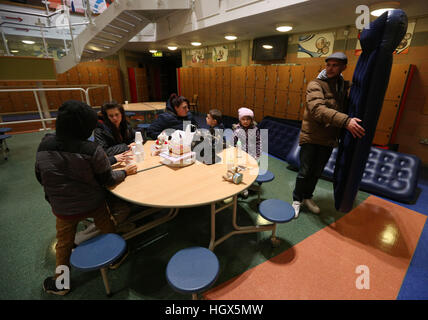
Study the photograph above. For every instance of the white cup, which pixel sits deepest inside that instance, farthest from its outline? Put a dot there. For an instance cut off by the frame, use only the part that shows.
(138, 137)
(126, 102)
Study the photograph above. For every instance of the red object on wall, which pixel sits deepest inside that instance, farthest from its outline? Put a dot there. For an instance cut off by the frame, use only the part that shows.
(132, 85)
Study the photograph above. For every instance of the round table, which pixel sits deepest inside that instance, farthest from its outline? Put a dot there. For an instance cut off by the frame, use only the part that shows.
(160, 186)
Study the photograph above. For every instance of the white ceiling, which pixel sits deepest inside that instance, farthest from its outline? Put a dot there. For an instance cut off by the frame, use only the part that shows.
(313, 15)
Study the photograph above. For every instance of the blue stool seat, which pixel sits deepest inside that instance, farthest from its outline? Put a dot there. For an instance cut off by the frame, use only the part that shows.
(276, 210)
(4, 130)
(129, 113)
(143, 125)
(98, 252)
(266, 177)
(192, 270)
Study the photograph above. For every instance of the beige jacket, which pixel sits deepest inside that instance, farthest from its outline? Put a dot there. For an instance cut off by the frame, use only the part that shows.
(323, 116)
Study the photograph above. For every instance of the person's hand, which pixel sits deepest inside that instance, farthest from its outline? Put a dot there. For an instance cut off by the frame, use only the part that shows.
(355, 129)
(131, 145)
(131, 169)
(123, 157)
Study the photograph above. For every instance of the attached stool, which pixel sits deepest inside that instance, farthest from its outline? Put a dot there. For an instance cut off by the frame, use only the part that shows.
(129, 114)
(192, 270)
(143, 127)
(266, 177)
(276, 211)
(97, 254)
(3, 145)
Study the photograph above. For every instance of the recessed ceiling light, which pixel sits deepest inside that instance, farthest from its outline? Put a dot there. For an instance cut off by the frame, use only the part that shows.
(172, 48)
(284, 27)
(153, 51)
(377, 9)
(14, 51)
(28, 41)
(196, 44)
(230, 37)
(267, 46)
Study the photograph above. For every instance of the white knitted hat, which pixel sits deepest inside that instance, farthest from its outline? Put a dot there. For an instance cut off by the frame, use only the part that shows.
(245, 112)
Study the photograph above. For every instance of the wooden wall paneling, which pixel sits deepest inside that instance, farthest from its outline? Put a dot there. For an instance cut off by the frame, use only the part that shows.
(296, 78)
(73, 75)
(281, 103)
(213, 97)
(388, 115)
(183, 79)
(249, 97)
(6, 104)
(103, 78)
(271, 77)
(259, 98)
(283, 78)
(83, 73)
(294, 105)
(195, 82)
(212, 73)
(203, 98)
(260, 80)
(310, 73)
(94, 94)
(62, 81)
(189, 84)
(397, 80)
(219, 99)
(237, 100)
(258, 114)
(250, 77)
(226, 76)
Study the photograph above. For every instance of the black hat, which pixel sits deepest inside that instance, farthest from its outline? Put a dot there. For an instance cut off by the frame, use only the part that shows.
(75, 120)
(339, 56)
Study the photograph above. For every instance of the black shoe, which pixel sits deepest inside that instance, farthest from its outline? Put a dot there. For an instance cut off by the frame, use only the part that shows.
(49, 285)
(116, 264)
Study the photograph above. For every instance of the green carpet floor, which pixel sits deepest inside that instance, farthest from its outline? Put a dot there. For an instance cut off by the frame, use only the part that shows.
(27, 235)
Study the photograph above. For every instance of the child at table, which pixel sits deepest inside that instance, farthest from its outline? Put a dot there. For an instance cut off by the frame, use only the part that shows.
(74, 173)
(247, 133)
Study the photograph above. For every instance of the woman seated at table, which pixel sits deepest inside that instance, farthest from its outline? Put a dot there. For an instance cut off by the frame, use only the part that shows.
(113, 132)
(177, 112)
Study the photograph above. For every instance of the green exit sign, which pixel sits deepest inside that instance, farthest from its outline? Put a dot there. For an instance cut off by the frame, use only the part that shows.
(157, 54)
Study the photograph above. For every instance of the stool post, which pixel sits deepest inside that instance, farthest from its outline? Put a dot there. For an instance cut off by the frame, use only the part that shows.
(105, 280)
(274, 240)
(194, 296)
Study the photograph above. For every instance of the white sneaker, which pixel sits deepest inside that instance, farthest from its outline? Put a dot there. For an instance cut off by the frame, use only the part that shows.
(296, 206)
(311, 205)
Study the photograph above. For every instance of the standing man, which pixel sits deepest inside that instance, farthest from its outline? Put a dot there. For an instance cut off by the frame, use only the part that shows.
(323, 119)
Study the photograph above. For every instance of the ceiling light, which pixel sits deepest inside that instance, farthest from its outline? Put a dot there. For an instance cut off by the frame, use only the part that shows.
(28, 41)
(267, 46)
(14, 51)
(230, 37)
(284, 27)
(153, 51)
(378, 9)
(172, 48)
(196, 44)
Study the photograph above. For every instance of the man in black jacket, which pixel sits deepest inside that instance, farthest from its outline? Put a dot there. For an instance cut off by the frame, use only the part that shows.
(74, 173)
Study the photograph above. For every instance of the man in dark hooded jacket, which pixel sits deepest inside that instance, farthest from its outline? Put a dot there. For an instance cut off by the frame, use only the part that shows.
(177, 112)
(74, 173)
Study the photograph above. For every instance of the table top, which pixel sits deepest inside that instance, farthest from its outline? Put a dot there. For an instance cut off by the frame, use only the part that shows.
(145, 106)
(194, 185)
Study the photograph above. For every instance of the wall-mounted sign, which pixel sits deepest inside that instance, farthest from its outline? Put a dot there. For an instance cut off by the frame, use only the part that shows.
(220, 54)
(315, 45)
(198, 56)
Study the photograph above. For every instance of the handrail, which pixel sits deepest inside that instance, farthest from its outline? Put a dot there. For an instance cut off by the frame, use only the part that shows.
(63, 88)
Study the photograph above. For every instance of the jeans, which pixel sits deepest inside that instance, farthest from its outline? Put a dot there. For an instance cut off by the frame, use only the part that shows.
(313, 158)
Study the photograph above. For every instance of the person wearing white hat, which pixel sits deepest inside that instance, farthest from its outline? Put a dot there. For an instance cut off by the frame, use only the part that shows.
(323, 119)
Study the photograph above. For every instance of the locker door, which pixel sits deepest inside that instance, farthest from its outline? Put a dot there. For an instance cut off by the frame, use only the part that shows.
(294, 105)
(281, 103)
(226, 76)
(213, 98)
(259, 98)
(238, 76)
(349, 72)
(311, 72)
(226, 101)
(218, 77)
(212, 72)
(296, 78)
(271, 77)
(83, 74)
(258, 114)
(195, 80)
(219, 98)
(189, 83)
(270, 100)
(250, 77)
(260, 77)
(237, 98)
(249, 97)
(397, 81)
(283, 78)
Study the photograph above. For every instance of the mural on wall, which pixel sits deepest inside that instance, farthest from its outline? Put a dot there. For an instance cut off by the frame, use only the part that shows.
(97, 6)
(198, 56)
(220, 54)
(404, 45)
(315, 45)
